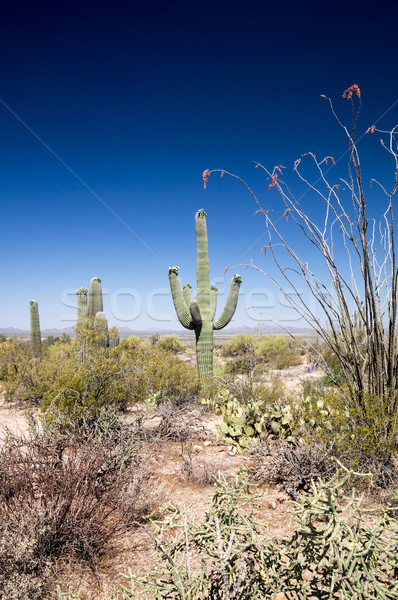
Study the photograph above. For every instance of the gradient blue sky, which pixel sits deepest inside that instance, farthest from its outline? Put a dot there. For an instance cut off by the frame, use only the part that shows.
(137, 99)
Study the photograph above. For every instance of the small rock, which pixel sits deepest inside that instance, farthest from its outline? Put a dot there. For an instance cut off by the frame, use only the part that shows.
(271, 504)
(207, 443)
(197, 448)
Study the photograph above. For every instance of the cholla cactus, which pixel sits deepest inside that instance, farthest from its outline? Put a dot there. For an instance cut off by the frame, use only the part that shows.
(95, 304)
(35, 335)
(198, 314)
(82, 308)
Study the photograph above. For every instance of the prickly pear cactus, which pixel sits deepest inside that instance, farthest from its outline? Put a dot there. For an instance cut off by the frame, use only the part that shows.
(35, 335)
(198, 314)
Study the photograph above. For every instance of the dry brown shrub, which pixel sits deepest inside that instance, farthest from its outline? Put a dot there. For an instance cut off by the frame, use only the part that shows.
(61, 494)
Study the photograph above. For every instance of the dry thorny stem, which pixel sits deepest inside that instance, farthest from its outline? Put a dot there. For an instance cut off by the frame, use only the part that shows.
(359, 305)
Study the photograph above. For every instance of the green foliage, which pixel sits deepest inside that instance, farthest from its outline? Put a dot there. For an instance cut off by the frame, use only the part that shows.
(171, 343)
(249, 354)
(279, 351)
(95, 376)
(240, 344)
(25, 378)
(334, 553)
(363, 436)
(335, 375)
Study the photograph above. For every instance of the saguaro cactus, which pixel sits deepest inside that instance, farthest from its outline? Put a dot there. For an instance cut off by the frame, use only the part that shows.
(198, 314)
(82, 308)
(95, 304)
(35, 335)
(101, 329)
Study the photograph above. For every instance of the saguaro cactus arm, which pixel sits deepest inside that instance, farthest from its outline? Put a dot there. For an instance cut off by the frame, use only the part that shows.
(213, 301)
(195, 312)
(187, 293)
(231, 303)
(179, 303)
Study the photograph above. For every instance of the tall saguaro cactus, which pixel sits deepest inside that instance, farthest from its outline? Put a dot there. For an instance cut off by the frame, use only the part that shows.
(35, 334)
(198, 314)
(95, 304)
(82, 308)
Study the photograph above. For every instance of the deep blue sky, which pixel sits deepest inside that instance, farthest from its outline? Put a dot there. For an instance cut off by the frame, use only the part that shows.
(138, 98)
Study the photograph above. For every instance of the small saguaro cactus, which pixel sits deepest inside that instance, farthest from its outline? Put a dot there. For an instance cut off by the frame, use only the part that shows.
(114, 337)
(101, 329)
(198, 314)
(82, 308)
(35, 335)
(95, 304)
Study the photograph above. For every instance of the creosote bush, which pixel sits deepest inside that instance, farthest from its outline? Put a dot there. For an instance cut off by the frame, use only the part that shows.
(25, 378)
(250, 355)
(170, 343)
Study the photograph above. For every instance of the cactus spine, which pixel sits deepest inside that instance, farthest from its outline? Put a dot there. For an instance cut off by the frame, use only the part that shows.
(95, 304)
(35, 335)
(82, 308)
(198, 314)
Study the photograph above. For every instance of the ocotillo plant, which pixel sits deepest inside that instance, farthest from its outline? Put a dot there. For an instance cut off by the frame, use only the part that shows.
(35, 335)
(199, 314)
(82, 308)
(95, 304)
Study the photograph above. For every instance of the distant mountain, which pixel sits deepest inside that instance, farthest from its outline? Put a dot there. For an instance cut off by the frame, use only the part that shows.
(125, 331)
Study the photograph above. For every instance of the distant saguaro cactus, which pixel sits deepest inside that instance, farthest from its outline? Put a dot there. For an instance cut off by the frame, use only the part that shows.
(82, 308)
(95, 304)
(198, 314)
(35, 335)
(101, 329)
(114, 337)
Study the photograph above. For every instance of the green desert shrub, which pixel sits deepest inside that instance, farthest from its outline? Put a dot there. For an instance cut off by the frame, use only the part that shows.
(170, 343)
(279, 351)
(240, 344)
(95, 377)
(25, 378)
(249, 354)
(364, 436)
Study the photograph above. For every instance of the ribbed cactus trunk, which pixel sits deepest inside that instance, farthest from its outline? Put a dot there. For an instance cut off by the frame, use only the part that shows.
(35, 334)
(95, 304)
(199, 314)
(82, 307)
(204, 330)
